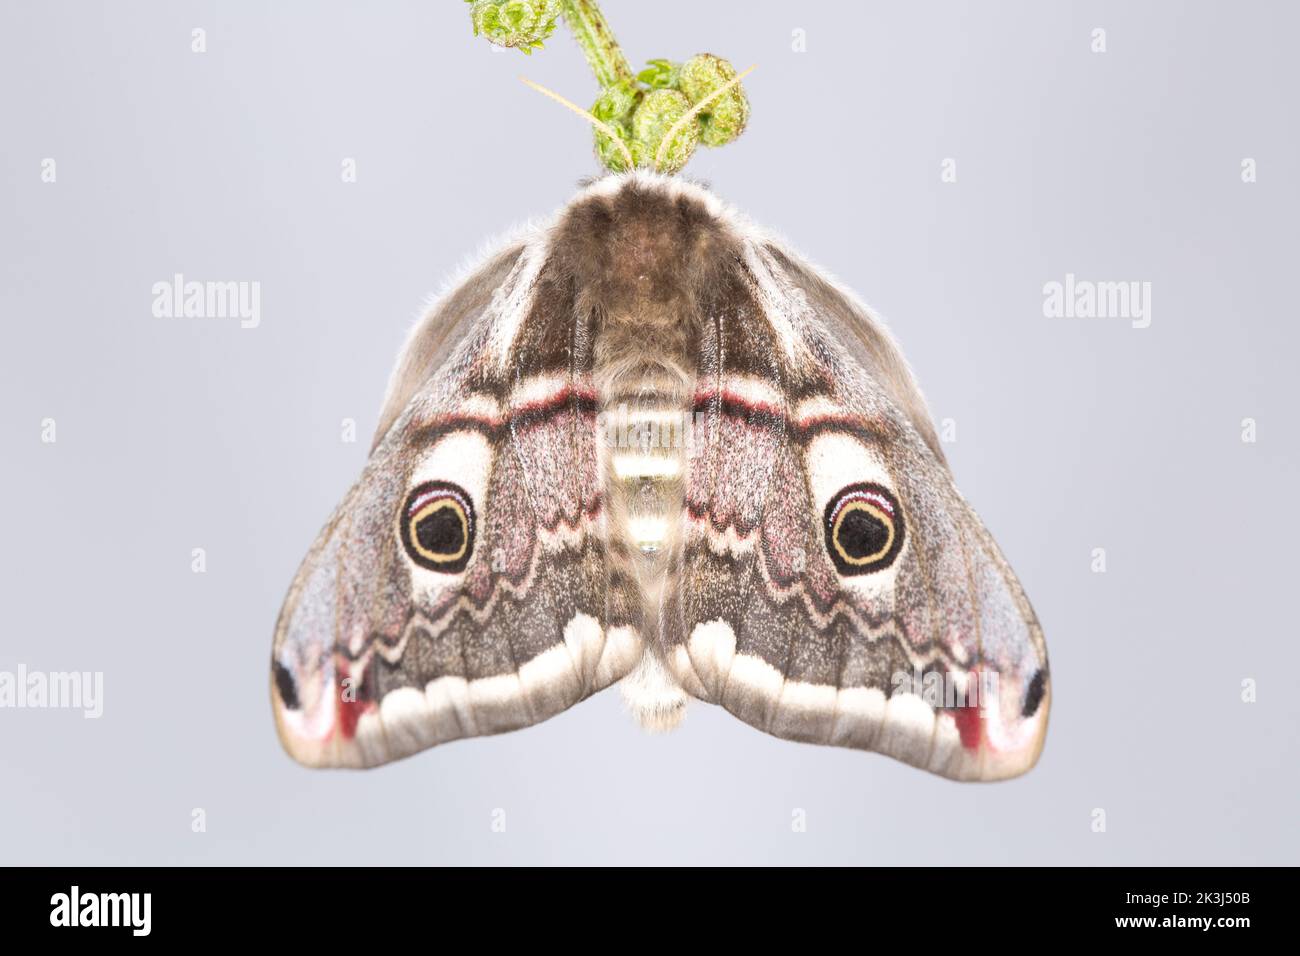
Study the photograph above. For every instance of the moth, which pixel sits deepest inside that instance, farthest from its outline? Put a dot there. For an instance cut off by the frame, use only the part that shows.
(648, 443)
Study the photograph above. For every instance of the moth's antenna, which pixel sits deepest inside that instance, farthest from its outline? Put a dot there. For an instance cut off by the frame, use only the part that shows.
(695, 110)
(603, 127)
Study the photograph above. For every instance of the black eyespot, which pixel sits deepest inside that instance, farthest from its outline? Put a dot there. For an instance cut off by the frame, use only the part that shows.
(1034, 693)
(864, 528)
(285, 684)
(437, 526)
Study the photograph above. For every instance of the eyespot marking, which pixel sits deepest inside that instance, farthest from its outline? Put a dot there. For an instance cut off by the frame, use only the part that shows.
(864, 528)
(436, 526)
(1034, 693)
(285, 684)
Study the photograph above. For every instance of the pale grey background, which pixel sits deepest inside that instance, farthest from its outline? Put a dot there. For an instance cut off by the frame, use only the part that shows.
(1072, 434)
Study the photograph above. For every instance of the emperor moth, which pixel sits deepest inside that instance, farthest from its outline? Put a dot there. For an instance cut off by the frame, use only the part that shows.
(649, 443)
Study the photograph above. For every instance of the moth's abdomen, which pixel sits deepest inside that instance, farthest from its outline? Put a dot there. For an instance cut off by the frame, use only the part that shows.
(645, 442)
(645, 450)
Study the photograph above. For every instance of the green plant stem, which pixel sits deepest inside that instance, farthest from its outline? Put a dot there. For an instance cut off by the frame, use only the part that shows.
(591, 30)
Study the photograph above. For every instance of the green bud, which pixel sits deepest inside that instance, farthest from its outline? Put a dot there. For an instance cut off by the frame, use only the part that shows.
(614, 107)
(659, 75)
(523, 24)
(653, 117)
(724, 119)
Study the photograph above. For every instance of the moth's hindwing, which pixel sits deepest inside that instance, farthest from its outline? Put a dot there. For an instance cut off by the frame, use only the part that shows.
(461, 588)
